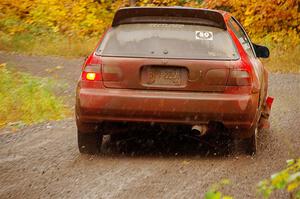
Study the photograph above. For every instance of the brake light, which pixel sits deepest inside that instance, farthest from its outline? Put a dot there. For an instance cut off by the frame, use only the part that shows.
(239, 78)
(91, 76)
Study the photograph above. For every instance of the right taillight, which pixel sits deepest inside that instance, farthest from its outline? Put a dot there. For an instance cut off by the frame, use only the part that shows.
(239, 78)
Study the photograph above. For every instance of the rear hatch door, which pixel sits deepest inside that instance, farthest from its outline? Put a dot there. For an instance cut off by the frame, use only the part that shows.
(167, 57)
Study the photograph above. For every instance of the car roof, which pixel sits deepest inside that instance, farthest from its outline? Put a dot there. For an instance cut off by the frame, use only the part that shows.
(184, 15)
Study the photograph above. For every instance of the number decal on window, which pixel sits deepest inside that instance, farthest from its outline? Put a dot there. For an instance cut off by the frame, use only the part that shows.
(204, 35)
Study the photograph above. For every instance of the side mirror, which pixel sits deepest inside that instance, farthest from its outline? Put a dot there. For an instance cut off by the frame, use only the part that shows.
(261, 51)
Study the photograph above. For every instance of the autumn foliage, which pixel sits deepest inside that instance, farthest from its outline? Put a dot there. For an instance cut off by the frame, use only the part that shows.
(81, 17)
(278, 20)
(88, 17)
(274, 23)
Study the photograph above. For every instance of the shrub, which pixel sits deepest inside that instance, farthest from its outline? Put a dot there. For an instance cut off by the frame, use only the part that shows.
(288, 179)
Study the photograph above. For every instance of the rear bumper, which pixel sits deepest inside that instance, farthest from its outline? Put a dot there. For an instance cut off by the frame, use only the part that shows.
(235, 111)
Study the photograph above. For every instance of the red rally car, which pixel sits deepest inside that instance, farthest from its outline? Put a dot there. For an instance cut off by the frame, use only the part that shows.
(172, 66)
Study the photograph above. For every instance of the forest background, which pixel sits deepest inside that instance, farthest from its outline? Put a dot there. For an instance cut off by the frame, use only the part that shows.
(72, 27)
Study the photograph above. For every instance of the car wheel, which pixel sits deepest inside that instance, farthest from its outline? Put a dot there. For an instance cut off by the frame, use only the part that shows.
(89, 143)
(251, 142)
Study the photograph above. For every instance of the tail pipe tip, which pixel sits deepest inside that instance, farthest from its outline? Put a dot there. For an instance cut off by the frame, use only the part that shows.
(201, 129)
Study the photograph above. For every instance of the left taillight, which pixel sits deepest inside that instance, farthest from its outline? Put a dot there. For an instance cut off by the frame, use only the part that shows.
(91, 73)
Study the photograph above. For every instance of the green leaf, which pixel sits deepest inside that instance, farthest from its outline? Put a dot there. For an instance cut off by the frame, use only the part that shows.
(212, 195)
(290, 162)
(293, 177)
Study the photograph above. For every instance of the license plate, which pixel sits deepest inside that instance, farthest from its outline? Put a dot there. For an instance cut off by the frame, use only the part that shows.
(164, 76)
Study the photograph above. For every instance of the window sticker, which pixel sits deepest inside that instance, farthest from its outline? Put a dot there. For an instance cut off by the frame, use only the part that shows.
(204, 35)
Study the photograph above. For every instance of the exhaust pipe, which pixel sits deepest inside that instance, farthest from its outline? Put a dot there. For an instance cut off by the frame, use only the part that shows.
(200, 129)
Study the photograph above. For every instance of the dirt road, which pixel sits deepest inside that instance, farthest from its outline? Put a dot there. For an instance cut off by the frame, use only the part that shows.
(42, 161)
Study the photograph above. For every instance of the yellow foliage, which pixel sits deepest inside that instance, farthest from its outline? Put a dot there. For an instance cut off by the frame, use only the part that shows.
(158, 3)
(81, 17)
(287, 179)
(274, 23)
(91, 17)
(280, 18)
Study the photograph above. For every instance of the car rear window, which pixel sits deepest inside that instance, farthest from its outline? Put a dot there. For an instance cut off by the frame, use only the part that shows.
(168, 41)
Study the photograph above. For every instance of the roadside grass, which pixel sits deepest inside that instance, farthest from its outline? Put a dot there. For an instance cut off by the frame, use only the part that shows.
(48, 44)
(25, 99)
(284, 61)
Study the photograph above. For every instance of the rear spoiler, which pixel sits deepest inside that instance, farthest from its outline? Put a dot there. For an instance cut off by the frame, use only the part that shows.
(181, 15)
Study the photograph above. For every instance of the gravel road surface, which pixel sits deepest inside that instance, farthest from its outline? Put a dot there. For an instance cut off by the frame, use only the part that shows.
(42, 161)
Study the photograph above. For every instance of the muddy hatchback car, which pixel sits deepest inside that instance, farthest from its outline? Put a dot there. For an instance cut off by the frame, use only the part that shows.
(172, 66)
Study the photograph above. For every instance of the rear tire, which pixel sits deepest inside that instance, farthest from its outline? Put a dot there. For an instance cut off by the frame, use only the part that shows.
(251, 142)
(89, 143)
